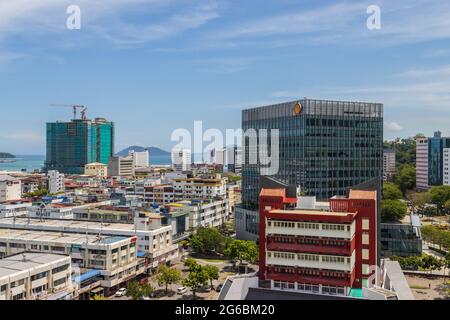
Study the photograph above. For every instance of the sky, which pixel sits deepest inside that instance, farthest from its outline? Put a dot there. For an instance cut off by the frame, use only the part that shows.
(153, 66)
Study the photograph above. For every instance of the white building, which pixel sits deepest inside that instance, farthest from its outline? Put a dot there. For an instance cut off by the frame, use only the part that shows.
(115, 257)
(230, 158)
(422, 163)
(31, 276)
(14, 209)
(204, 214)
(96, 169)
(199, 188)
(389, 162)
(140, 159)
(121, 166)
(153, 240)
(55, 182)
(181, 159)
(447, 166)
(10, 188)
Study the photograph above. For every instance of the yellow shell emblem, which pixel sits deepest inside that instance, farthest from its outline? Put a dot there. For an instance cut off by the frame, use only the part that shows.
(298, 109)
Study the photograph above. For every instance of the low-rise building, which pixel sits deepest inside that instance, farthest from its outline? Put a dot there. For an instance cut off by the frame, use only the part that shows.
(199, 188)
(10, 188)
(114, 256)
(14, 208)
(121, 166)
(154, 241)
(96, 169)
(204, 213)
(31, 276)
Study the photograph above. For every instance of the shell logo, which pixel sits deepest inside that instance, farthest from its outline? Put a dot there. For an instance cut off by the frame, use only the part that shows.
(297, 109)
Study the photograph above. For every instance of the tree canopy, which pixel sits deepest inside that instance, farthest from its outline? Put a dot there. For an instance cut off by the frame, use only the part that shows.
(393, 210)
(136, 291)
(167, 276)
(391, 191)
(207, 240)
(439, 196)
(405, 177)
(242, 250)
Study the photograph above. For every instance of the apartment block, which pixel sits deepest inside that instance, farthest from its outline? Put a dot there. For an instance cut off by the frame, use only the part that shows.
(317, 251)
(32, 276)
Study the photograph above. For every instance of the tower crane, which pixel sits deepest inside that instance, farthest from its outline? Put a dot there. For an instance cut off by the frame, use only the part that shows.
(82, 108)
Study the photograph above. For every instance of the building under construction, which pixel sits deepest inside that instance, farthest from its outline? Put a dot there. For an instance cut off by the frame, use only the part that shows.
(72, 145)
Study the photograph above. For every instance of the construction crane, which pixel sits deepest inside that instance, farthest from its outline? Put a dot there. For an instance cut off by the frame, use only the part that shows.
(82, 108)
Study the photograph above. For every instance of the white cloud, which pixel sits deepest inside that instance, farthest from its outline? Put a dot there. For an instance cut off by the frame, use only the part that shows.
(393, 126)
(403, 21)
(105, 19)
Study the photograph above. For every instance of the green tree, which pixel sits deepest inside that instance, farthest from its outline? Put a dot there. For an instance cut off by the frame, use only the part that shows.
(419, 201)
(242, 250)
(197, 277)
(405, 178)
(136, 291)
(207, 240)
(213, 273)
(393, 210)
(167, 276)
(189, 263)
(391, 191)
(439, 196)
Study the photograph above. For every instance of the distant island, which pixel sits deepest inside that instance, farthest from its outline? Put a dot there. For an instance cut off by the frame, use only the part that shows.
(6, 155)
(153, 151)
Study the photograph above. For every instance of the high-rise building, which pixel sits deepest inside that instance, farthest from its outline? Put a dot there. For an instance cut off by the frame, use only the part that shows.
(140, 159)
(72, 145)
(447, 166)
(422, 163)
(324, 146)
(181, 159)
(389, 162)
(323, 252)
(430, 160)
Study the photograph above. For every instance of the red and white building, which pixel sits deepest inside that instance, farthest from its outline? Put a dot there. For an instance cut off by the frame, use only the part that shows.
(316, 251)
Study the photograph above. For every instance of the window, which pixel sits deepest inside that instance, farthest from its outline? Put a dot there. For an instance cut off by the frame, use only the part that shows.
(59, 282)
(365, 254)
(365, 224)
(365, 238)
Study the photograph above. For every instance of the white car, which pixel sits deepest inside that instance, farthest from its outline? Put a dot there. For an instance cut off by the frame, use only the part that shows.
(181, 290)
(121, 292)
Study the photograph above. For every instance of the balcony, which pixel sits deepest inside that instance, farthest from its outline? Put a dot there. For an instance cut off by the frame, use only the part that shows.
(309, 248)
(288, 277)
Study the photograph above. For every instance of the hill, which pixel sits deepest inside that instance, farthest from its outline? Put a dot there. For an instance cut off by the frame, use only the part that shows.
(154, 151)
(6, 155)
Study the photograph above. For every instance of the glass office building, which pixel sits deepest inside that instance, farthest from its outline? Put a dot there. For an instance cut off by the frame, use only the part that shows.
(72, 145)
(436, 146)
(324, 146)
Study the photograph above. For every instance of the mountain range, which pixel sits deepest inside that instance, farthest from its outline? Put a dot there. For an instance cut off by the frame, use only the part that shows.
(154, 151)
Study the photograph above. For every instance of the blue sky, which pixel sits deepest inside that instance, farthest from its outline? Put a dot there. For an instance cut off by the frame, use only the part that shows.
(153, 66)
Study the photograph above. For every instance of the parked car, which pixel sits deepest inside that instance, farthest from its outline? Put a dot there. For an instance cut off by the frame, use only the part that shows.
(146, 298)
(121, 292)
(182, 290)
(207, 289)
(219, 287)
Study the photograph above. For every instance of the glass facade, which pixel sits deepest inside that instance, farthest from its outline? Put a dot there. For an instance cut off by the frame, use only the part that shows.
(325, 146)
(436, 147)
(400, 240)
(72, 145)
